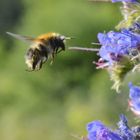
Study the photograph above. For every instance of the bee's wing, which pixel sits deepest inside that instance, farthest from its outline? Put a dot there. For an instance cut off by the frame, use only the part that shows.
(26, 39)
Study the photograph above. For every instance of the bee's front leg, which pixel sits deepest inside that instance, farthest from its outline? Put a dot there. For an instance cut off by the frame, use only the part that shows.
(58, 51)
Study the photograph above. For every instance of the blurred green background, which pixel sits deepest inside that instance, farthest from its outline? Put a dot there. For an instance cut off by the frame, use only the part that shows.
(60, 99)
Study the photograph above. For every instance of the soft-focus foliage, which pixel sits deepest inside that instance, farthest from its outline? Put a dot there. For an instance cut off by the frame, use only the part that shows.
(61, 98)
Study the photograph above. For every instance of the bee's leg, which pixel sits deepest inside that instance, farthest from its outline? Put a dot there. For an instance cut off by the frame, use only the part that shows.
(44, 59)
(52, 58)
(56, 50)
(34, 65)
(59, 51)
(62, 48)
(39, 65)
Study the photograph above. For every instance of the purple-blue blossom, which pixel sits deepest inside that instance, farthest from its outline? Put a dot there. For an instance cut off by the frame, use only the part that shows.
(114, 45)
(134, 98)
(98, 131)
(130, 1)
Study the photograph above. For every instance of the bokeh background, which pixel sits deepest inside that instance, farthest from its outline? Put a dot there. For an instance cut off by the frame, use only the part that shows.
(60, 99)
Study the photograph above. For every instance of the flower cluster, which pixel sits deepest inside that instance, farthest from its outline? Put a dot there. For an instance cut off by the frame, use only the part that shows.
(119, 54)
(98, 131)
(115, 45)
(120, 50)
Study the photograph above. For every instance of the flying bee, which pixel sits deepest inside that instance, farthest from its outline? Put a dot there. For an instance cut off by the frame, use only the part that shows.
(41, 48)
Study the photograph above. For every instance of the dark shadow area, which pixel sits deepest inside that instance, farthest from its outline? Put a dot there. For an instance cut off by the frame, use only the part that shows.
(11, 12)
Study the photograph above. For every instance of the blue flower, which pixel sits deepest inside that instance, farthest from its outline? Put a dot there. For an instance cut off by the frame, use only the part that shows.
(125, 132)
(134, 101)
(131, 1)
(98, 131)
(117, 44)
(119, 53)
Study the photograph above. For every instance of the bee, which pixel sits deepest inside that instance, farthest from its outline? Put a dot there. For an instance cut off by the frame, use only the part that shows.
(41, 48)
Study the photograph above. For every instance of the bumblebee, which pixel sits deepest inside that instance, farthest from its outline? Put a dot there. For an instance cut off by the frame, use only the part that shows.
(41, 48)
